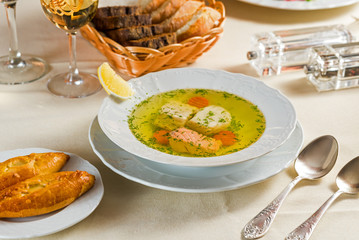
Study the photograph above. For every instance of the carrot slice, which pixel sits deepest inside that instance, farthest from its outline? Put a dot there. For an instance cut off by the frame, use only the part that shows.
(226, 137)
(161, 136)
(198, 101)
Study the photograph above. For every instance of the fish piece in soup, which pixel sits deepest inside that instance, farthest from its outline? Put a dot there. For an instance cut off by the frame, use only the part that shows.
(188, 141)
(210, 120)
(174, 114)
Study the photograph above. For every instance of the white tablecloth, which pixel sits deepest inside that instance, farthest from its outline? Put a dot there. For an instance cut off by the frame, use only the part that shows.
(32, 117)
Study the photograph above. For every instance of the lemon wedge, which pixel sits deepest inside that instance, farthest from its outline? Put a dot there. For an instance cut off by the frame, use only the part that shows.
(113, 83)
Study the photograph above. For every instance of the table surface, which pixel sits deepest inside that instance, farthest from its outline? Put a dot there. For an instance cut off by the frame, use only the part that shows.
(32, 117)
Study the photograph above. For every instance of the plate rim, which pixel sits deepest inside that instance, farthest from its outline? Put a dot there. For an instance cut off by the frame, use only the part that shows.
(300, 6)
(92, 199)
(232, 158)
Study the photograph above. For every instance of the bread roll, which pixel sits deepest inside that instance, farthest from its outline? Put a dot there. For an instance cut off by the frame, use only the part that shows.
(182, 16)
(44, 193)
(200, 24)
(166, 10)
(17, 169)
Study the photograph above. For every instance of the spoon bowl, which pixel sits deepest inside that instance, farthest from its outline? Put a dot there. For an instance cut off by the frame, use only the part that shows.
(313, 162)
(348, 182)
(348, 177)
(318, 158)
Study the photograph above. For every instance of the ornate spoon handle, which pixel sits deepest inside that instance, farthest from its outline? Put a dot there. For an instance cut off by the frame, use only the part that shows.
(260, 224)
(305, 230)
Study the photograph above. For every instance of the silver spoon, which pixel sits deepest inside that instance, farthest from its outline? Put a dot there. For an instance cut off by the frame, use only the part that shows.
(348, 182)
(314, 162)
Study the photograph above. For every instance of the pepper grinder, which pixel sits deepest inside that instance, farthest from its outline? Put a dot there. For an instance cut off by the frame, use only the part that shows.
(333, 67)
(281, 51)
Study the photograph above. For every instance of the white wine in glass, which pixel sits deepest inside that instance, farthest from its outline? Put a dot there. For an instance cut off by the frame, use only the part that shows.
(70, 15)
(17, 68)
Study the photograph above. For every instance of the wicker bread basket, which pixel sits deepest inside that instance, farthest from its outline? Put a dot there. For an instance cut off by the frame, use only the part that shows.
(137, 61)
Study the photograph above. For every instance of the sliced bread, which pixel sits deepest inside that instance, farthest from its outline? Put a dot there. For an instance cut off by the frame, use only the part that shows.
(200, 23)
(166, 10)
(123, 35)
(123, 21)
(182, 16)
(148, 6)
(116, 11)
(155, 42)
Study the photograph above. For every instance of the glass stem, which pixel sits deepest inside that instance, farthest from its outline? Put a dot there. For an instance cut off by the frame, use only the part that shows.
(74, 71)
(14, 54)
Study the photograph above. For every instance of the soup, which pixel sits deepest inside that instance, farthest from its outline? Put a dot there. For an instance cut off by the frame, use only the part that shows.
(247, 122)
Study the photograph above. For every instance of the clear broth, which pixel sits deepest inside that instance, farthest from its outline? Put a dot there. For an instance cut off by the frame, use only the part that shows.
(248, 122)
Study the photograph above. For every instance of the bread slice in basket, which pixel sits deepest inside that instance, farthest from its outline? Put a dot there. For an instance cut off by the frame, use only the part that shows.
(117, 11)
(166, 10)
(182, 16)
(155, 42)
(148, 6)
(122, 21)
(200, 23)
(124, 35)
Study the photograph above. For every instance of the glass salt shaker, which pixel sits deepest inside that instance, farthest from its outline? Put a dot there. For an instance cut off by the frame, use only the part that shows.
(333, 67)
(282, 51)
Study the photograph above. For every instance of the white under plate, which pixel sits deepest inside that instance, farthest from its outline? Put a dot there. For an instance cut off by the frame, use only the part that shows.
(278, 111)
(59, 220)
(301, 5)
(137, 169)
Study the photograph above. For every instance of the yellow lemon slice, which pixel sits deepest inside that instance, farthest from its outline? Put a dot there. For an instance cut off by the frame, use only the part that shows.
(113, 83)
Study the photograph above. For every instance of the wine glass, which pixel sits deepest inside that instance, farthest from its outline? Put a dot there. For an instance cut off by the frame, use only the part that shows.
(70, 15)
(17, 68)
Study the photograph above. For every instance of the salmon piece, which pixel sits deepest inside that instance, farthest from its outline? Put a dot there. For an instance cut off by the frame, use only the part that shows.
(188, 141)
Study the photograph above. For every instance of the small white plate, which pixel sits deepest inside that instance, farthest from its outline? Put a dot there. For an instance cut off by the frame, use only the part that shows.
(59, 220)
(278, 111)
(301, 5)
(138, 170)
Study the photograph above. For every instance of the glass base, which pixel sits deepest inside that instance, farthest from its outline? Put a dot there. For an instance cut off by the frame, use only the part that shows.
(67, 85)
(29, 69)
